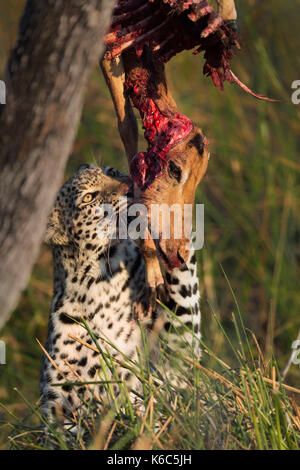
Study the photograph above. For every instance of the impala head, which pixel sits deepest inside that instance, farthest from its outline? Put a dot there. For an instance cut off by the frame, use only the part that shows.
(168, 172)
(172, 189)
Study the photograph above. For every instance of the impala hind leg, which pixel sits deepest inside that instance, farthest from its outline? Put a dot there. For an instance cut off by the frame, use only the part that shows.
(114, 73)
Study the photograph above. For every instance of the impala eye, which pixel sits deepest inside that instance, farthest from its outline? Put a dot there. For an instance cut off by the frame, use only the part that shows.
(174, 171)
(89, 197)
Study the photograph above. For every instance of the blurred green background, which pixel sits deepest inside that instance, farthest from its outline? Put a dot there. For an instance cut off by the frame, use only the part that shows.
(250, 192)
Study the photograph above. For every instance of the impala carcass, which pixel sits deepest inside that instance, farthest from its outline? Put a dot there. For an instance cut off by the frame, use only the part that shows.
(144, 35)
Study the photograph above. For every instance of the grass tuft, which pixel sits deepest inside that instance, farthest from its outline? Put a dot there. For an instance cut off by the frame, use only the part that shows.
(220, 407)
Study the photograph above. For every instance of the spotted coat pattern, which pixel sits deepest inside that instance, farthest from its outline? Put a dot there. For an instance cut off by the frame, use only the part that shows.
(102, 281)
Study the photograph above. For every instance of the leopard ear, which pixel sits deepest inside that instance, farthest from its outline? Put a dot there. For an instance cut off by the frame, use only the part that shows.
(55, 233)
(85, 166)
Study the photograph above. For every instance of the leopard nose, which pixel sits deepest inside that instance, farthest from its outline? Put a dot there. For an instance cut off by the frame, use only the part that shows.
(126, 189)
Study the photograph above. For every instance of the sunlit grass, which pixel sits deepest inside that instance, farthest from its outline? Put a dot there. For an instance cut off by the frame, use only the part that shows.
(245, 407)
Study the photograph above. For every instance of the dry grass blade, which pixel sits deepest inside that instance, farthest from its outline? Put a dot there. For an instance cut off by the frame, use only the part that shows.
(110, 436)
(145, 417)
(258, 349)
(50, 358)
(87, 386)
(216, 376)
(274, 379)
(278, 384)
(84, 343)
(164, 427)
(100, 440)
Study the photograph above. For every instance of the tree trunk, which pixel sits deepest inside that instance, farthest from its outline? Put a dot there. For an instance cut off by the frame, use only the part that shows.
(59, 42)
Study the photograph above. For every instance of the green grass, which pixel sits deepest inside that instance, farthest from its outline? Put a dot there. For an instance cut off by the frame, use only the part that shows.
(251, 196)
(245, 407)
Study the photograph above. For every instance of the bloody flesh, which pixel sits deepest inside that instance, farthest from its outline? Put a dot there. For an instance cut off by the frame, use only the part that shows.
(162, 130)
(165, 28)
(168, 27)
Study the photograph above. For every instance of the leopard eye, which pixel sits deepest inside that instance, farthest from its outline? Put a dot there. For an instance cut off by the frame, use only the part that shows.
(174, 171)
(89, 197)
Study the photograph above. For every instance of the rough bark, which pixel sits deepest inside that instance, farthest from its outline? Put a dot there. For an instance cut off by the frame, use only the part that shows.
(59, 42)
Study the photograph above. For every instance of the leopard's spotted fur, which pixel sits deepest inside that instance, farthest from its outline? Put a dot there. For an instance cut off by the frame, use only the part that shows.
(103, 282)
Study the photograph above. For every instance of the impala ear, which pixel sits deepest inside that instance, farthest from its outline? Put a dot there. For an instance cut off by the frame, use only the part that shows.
(55, 233)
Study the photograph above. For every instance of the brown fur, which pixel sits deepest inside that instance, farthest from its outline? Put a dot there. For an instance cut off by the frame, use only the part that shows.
(190, 155)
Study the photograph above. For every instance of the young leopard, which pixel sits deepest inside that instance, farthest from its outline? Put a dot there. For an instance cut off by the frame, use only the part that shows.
(101, 281)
